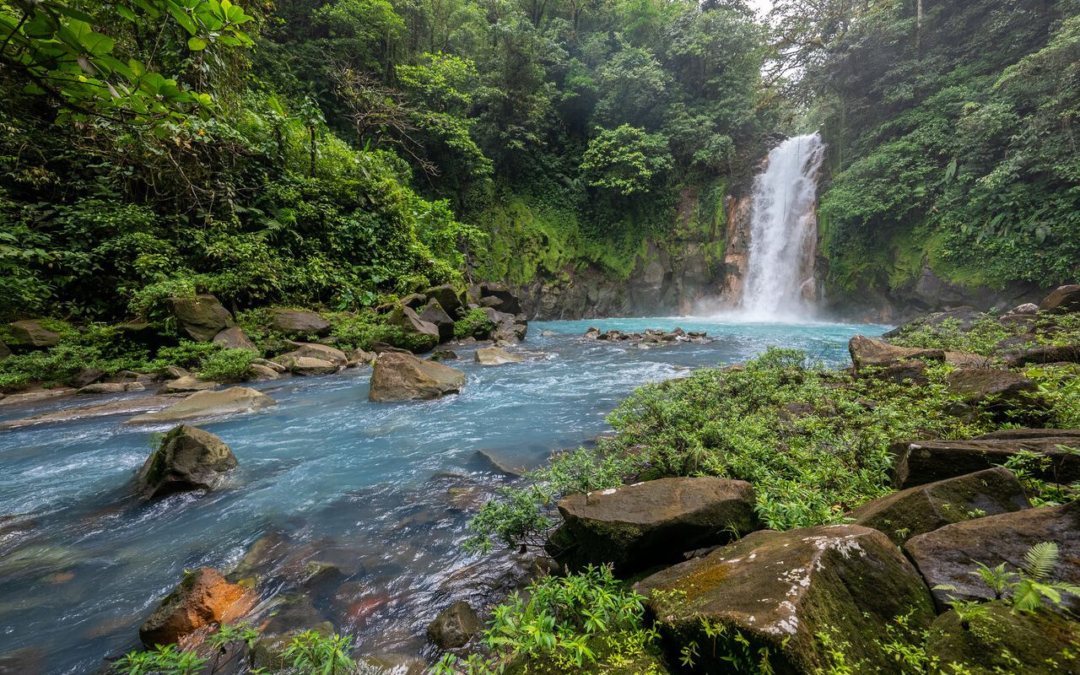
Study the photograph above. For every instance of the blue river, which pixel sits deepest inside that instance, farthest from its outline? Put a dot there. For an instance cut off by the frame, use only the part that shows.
(382, 492)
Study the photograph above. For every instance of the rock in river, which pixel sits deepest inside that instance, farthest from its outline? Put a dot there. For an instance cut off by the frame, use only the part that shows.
(925, 508)
(947, 556)
(403, 377)
(780, 590)
(188, 458)
(209, 404)
(495, 356)
(202, 599)
(637, 526)
(454, 626)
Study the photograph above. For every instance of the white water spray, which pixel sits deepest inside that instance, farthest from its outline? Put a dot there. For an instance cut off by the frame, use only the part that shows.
(779, 283)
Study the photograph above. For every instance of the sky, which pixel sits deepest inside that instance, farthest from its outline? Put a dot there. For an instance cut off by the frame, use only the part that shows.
(762, 6)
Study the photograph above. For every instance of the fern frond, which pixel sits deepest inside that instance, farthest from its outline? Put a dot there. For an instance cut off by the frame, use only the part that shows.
(1040, 560)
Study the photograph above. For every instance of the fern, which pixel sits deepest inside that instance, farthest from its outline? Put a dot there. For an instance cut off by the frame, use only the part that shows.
(1040, 559)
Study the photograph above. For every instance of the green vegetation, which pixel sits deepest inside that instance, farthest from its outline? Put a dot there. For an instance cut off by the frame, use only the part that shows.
(581, 623)
(228, 365)
(1027, 589)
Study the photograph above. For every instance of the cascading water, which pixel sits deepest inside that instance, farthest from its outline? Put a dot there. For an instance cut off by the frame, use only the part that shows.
(779, 281)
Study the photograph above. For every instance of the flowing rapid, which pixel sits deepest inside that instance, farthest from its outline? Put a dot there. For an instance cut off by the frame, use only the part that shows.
(783, 233)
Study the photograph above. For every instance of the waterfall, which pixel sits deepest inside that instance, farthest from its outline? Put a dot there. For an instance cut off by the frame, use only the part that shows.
(779, 283)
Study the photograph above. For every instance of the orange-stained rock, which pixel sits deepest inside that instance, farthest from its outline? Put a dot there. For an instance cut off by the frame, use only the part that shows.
(203, 598)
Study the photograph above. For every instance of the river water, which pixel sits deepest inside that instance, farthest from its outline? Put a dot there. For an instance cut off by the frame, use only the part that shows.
(381, 491)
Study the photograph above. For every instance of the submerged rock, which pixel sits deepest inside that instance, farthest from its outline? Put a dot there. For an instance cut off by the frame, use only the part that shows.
(920, 462)
(1062, 299)
(188, 458)
(779, 590)
(231, 401)
(454, 626)
(202, 599)
(636, 526)
(31, 334)
(201, 317)
(403, 377)
(126, 406)
(298, 323)
(947, 556)
(994, 639)
(495, 356)
(925, 508)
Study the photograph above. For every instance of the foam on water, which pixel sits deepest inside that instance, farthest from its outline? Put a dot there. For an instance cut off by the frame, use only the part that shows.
(368, 487)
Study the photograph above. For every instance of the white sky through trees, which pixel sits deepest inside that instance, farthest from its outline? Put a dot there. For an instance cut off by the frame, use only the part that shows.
(761, 6)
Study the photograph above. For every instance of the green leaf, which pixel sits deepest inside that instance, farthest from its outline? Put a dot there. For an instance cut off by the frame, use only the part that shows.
(196, 44)
(181, 17)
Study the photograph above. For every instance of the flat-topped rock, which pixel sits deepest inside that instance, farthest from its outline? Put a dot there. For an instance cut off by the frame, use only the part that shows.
(925, 508)
(233, 401)
(188, 459)
(314, 351)
(636, 526)
(201, 317)
(920, 462)
(35, 395)
(868, 352)
(780, 589)
(306, 365)
(495, 356)
(186, 385)
(31, 334)
(126, 406)
(298, 323)
(947, 556)
(111, 388)
(403, 377)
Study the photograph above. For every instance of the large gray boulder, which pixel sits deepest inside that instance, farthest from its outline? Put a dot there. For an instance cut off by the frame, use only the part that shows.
(1062, 299)
(201, 317)
(235, 338)
(403, 377)
(868, 352)
(31, 334)
(454, 626)
(920, 462)
(780, 590)
(947, 556)
(298, 323)
(421, 336)
(637, 526)
(448, 298)
(188, 459)
(435, 314)
(232, 401)
(925, 508)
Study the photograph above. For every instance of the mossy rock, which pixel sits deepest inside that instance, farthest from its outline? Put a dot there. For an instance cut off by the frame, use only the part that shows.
(993, 639)
(771, 594)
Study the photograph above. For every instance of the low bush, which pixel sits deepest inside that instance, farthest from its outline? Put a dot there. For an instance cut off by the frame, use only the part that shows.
(228, 365)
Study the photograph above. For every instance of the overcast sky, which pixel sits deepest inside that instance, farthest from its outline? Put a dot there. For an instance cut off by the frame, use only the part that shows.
(761, 6)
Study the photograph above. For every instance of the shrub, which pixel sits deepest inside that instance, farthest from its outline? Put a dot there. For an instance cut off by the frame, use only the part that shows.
(228, 365)
(474, 324)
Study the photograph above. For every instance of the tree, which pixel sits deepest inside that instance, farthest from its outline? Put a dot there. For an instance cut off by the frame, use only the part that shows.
(626, 160)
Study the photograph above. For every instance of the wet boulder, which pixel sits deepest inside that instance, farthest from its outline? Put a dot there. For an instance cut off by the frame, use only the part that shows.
(298, 323)
(435, 314)
(31, 334)
(202, 599)
(994, 639)
(920, 462)
(403, 377)
(779, 590)
(315, 351)
(495, 356)
(636, 526)
(925, 508)
(201, 317)
(188, 459)
(235, 338)
(454, 626)
(947, 556)
(360, 357)
(867, 352)
(1063, 299)
(264, 372)
(233, 401)
(421, 336)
